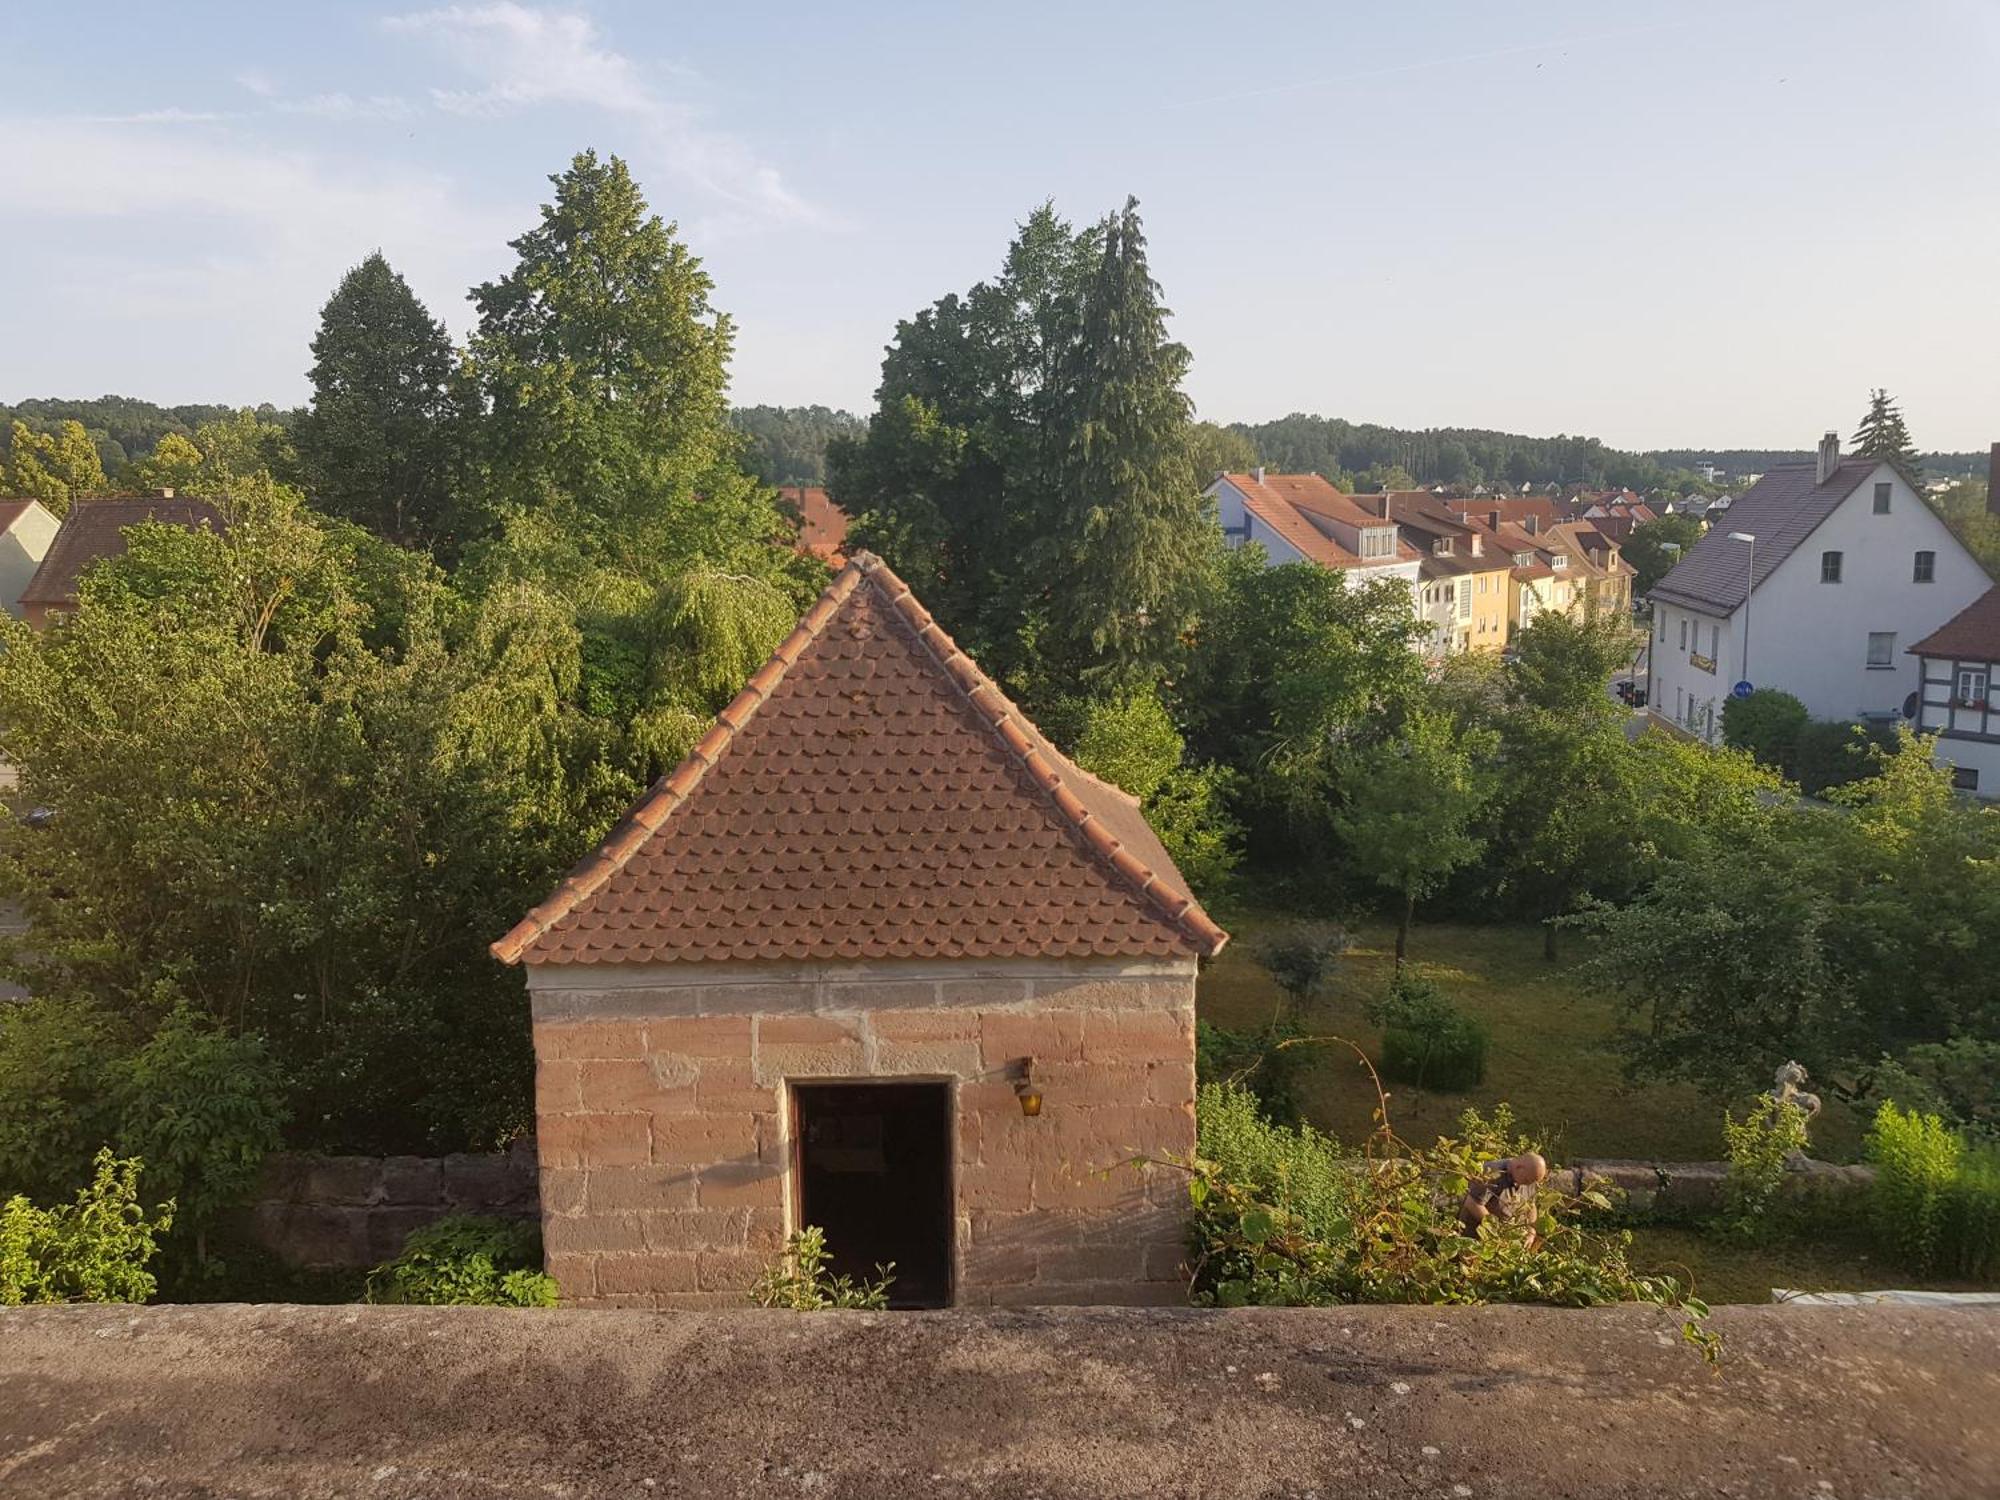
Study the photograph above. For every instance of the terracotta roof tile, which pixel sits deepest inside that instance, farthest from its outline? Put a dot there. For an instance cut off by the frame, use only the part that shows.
(1973, 634)
(871, 794)
(822, 524)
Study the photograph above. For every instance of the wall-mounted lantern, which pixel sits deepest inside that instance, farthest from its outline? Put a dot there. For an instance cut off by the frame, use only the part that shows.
(1024, 1087)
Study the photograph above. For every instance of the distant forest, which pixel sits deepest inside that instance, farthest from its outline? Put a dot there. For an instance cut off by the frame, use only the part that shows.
(786, 445)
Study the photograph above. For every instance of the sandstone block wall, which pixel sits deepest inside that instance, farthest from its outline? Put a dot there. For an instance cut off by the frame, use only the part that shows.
(664, 1119)
(324, 1212)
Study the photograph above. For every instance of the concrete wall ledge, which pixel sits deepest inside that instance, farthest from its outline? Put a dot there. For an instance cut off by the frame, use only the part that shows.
(1378, 1402)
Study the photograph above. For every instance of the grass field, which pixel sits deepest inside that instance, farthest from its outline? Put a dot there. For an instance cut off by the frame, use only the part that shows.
(1724, 1271)
(1551, 1053)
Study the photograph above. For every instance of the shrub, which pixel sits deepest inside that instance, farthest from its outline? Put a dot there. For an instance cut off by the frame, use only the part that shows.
(1832, 754)
(54, 1109)
(1972, 1216)
(1301, 957)
(1958, 1079)
(93, 1250)
(203, 1109)
(1759, 1147)
(1915, 1159)
(467, 1261)
(1767, 724)
(1426, 1040)
(1258, 1061)
(801, 1282)
(1281, 1220)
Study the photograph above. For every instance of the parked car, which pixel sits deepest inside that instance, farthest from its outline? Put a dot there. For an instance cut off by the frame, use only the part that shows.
(1631, 693)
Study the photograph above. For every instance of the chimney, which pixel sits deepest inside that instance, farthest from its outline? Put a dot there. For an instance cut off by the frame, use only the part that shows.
(1259, 473)
(1532, 524)
(1829, 457)
(1993, 481)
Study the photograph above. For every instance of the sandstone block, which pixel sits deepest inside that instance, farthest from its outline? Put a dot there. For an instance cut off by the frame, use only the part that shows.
(580, 1039)
(1137, 1035)
(476, 1182)
(907, 1026)
(639, 1189)
(696, 1229)
(732, 1271)
(766, 1233)
(700, 1036)
(807, 1030)
(556, 1091)
(890, 996)
(828, 1060)
(756, 999)
(593, 1234)
(979, 991)
(645, 1273)
(635, 1084)
(1002, 1187)
(741, 1185)
(947, 1059)
(575, 1275)
(342, 1180)
(701, 1139)
(728, 1084)
(1055, 1036)
(563, 1189)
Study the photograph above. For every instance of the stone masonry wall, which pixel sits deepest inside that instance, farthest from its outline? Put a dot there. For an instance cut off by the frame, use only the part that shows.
(664, 1128)
(345, 1211)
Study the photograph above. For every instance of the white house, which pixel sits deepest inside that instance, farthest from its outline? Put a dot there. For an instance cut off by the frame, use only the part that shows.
(1851, 567)
(26, 532)
(1303, 518)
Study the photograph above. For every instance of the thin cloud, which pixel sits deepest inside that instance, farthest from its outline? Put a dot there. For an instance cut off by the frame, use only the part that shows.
(343, 106)
(524, 58)
(173, 115)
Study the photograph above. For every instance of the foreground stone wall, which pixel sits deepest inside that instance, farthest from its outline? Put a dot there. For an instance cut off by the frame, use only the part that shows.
(665, 1135)
(1392, 1403)
(325, 1212)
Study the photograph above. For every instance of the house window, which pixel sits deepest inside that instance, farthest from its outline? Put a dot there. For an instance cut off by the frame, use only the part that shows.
(1881, 648)
(1882, 498)
(1970, 689)
(1715, 642)
(1926, 567)
(1558, 560)
(1684, 635)
(1663, 627)
(1965, 778)
(1829, 567)
(1465, 599)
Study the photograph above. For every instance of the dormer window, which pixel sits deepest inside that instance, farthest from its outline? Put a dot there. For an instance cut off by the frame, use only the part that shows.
(1378, 541)
(1522, 559)
(1559, 560)
(1441, 547)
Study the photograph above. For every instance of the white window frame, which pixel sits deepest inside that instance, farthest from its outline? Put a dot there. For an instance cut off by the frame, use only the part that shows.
(1923, 567)
(1883, 490)
(1971, 685)
(1888, 657)
(1838, 560)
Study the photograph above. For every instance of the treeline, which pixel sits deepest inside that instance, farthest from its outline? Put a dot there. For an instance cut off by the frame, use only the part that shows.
(1757, 460)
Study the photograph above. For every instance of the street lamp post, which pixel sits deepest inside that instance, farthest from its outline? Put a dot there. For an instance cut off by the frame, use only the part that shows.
(1749, 583)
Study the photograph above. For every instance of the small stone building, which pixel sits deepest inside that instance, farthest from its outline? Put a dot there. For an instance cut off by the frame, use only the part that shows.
(875, 957)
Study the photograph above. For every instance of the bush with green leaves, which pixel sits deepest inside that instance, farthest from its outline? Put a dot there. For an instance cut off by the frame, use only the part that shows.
(800, 1281)
(55, 1106)
(95, 1249)
(1760, 1146)
(1936, 1199)
(1831, 754)
(1426, 1040)
(1262, 1061)
(1915, 1159)
(1958, 1079)
(1767, 724)
(203, 1109)
(1280, 1218)
(465, 1260)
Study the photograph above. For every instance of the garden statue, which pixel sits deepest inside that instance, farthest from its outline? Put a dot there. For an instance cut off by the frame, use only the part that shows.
(1786, 1090)
(1507, 1193)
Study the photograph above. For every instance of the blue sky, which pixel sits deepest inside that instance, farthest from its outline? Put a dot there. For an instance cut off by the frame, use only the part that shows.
(1662, 224)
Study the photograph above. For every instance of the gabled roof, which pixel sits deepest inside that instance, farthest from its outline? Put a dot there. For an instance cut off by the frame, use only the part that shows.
(870, 794)
(1781, 510)
(95, 529)
(822, 524)
(1973, 634)
(1295, 505)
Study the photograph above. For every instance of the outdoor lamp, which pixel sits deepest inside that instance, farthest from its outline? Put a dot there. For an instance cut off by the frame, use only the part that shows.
(1025, 1090)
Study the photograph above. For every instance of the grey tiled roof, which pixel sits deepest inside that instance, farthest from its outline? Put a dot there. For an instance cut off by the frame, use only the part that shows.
(1781, 510)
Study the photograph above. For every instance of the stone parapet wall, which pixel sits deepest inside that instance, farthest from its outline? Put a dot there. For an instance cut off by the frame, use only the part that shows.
(325, 1212)
(662, 1114)
(1694, 1188)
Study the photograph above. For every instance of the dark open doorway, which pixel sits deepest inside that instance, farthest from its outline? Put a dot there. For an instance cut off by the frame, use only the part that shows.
(874, 1172)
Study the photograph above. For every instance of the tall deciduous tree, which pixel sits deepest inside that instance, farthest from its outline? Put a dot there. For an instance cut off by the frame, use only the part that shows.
(1411, 803)
(1883, 434)
(54, 467)
(1127, 547)
(1649, 552)
(603, 370)
(376, 446)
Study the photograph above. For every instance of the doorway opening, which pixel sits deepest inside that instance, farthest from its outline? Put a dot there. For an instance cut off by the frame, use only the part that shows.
(874, 1172)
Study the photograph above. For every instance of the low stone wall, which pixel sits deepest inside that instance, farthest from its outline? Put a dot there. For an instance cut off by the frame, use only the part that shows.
(1694, 1188)
(323, 1212)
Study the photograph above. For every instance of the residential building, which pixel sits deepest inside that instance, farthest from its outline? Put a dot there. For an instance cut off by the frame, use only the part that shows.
(26, 531)
(1464, 588)
(1303, 518)
(1850, 567)
(1959, 691)
(875, 958)
(94, 530)
(1535, 512)
(1602, 576)
(822, 524)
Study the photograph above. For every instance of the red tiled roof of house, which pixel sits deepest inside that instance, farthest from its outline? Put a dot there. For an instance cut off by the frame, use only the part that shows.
(822, 524)
(870, 794)
(1973, 634)
(1271, 503)
(95, 529)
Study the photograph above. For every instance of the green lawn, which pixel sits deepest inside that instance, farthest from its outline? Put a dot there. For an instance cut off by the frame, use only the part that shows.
(1724, 1271)
(1551, 1053)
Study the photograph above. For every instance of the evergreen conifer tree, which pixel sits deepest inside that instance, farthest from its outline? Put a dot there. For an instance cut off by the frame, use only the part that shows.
(1883, 434)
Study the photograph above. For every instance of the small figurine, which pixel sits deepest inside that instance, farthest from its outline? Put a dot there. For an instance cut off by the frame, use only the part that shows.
(1507, 1193)
(1786, 1090)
